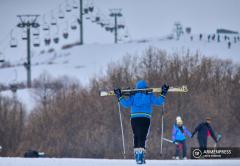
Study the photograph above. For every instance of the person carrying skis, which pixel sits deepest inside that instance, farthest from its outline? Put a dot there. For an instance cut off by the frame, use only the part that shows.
(204, 130)
(141, 112)
(179, 133)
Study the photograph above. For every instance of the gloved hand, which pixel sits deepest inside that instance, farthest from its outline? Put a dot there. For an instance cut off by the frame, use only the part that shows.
(118, 92)
(175, 142)
(164, 90)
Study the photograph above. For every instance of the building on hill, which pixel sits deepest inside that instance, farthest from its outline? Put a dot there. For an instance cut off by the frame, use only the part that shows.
(226, 31)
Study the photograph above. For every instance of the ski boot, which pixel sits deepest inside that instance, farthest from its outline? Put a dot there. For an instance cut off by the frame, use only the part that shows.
(139, 155)
(177, 158)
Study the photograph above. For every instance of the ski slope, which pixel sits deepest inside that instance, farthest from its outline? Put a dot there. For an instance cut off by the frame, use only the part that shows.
(91, 60)
(84, 62)
(107, 162)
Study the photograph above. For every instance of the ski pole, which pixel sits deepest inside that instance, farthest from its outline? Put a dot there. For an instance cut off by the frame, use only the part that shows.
(123, 141)
(161, 150)
(168, 140)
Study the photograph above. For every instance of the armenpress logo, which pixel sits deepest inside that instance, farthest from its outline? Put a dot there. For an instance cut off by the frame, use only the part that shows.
(197, 153)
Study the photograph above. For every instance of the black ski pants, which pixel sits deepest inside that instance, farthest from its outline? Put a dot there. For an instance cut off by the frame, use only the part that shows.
(202, 143)
(140, 126)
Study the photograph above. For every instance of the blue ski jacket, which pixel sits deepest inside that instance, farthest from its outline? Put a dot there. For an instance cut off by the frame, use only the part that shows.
(141, 103)
(178, 134)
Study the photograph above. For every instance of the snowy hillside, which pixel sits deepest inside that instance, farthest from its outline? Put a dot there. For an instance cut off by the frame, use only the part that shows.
(106, 162)
(90, 60)
(82, 62)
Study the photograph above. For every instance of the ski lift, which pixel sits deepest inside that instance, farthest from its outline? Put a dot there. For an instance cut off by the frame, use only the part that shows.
(96, 19)
(53, 19)
(75, 5)
(60, 13)
(112, 29)
(36, 32)
(88, 17)
(73, 25)
(24, 34)
(47, 41)
(65, 35)
(13, 42)
(36, 42)
(126, 35)
(121, 26)
(68, 7)
(56, 39)
(102, 24)
(91, 8)
(65, 31)
(86, 10)
(78, 20)
(107, 28)
(2, 57)
(45, 26)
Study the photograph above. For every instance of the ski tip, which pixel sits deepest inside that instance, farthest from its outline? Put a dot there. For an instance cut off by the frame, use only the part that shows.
(185, 88)
(103, 93)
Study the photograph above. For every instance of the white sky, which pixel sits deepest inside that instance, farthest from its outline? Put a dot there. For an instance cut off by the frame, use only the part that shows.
(144, 18)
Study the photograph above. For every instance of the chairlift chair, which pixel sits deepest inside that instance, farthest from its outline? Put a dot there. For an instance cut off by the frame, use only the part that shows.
(73, 25)
(74, 4)
(102, 24)
(112, 29)
(65, 32)
(96, 19)
(90, 8)
(47, 41)
(68, 8)
(56, 39)
(65, 35)
(86, 10)
(36, 42)
(107, 28)
(53, 21)
(60, 13)
(119, 14)
(36, 32)
(45, 26)
(24, 34)
(121, 26)
(13, 42)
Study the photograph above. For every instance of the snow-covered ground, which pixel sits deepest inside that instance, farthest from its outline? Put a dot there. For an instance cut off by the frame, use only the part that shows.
(106, 162)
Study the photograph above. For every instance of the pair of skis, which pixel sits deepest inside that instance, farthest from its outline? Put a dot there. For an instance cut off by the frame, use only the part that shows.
(128, 92)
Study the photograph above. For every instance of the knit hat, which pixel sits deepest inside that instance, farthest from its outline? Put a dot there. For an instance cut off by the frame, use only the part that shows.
(179, 120)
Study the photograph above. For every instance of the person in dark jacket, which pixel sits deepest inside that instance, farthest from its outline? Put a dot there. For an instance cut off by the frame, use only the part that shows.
(141, 112)
(204, 130)
(179, 136)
